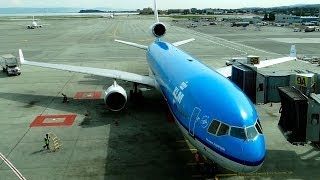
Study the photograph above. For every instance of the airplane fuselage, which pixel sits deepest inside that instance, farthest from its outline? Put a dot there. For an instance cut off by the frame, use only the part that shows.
(198, 95)
(34, 25)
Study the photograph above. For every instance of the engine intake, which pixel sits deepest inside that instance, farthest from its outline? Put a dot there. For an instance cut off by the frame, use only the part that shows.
(115, 97)
(158, 29)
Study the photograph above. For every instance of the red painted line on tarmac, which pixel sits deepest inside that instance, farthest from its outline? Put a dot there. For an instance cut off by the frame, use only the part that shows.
(88, 95)
(53, 120)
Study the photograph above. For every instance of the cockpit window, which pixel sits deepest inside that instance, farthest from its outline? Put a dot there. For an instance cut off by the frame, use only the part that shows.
(213, 127)
(238, 133)
(223, 130)
(251, 132)
(258, 127)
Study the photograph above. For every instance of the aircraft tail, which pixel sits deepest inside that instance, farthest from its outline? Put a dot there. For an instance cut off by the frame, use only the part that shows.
(293, 51)
(156, 15)
(158, 30)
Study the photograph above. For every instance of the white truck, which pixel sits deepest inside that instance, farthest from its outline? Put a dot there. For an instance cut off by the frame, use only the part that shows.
(10, 64)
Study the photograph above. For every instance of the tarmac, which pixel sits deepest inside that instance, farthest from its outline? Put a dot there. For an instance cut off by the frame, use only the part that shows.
(139, 142)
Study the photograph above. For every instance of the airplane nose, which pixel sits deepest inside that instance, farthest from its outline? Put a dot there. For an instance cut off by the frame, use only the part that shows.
(253, 155)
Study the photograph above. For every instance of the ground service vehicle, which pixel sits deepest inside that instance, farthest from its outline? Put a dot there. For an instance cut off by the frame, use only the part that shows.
(10, 64)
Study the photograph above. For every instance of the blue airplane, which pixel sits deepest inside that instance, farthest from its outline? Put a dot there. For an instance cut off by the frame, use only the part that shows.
(214, 115)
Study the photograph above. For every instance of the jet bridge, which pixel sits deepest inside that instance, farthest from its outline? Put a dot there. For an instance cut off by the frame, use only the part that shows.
(313, 120)
(300, 116)
(293, 119)
(244, 76)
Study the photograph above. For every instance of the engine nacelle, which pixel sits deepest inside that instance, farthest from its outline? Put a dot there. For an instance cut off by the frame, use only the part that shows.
(115, 97)
(158, 29)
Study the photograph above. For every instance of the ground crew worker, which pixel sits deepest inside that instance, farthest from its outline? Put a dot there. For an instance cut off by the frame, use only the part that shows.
(46, 141)
(87, 113)
(65, 98)
(197, 159)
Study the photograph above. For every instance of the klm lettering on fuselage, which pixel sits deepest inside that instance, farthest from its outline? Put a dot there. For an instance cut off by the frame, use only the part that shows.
(177, 92)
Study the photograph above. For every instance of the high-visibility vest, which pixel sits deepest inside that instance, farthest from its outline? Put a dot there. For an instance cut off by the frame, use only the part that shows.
(46, 140)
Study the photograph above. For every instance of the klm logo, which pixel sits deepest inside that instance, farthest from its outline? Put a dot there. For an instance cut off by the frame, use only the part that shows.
(177, 92)
(178, 95)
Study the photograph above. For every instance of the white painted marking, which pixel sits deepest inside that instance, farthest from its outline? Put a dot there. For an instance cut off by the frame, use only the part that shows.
(216, 40)
(15, 170)
(297, 40)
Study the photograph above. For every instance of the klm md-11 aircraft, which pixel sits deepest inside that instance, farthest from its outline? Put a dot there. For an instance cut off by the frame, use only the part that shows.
(212, 112)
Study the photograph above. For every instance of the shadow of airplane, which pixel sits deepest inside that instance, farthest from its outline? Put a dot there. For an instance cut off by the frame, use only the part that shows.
(99, 113)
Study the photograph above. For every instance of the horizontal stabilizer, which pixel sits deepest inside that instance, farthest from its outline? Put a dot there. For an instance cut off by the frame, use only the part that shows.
(226, 71)
(132, 44)
(271, 62)
(179, 43)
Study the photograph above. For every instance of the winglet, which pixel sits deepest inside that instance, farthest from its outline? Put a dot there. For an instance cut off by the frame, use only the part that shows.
(21, 56)
(293, 51)
(156, 16)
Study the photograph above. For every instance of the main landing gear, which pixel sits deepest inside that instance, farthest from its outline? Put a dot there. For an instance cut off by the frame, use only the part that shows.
(135, 94)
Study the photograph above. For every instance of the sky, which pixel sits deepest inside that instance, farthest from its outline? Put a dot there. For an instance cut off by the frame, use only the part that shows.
(162, 4)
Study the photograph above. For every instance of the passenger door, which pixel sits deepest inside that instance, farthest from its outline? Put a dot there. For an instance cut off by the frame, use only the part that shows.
(193, 120)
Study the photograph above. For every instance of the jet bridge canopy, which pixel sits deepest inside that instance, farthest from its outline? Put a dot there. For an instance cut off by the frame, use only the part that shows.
(245, 77)
(293, 119)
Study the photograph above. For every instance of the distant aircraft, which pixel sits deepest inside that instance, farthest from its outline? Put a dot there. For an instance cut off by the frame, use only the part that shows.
(238, 24)
(261, 24)
(109, 15)
(214, 115)
(34, 24)
(193, 25)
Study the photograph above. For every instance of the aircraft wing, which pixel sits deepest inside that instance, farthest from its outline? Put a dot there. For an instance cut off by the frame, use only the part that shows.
(116, 74)
(226, 71)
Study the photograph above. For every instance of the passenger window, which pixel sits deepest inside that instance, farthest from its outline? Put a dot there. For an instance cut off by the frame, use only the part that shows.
(223, 130)
(213, 127)
(238, 133)
(251, 132)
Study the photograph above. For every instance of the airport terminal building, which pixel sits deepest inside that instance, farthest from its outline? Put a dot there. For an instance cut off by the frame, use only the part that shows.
(291, 19)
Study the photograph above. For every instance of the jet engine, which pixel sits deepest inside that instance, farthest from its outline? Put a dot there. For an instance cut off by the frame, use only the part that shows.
(115, 97)
(158, 29)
